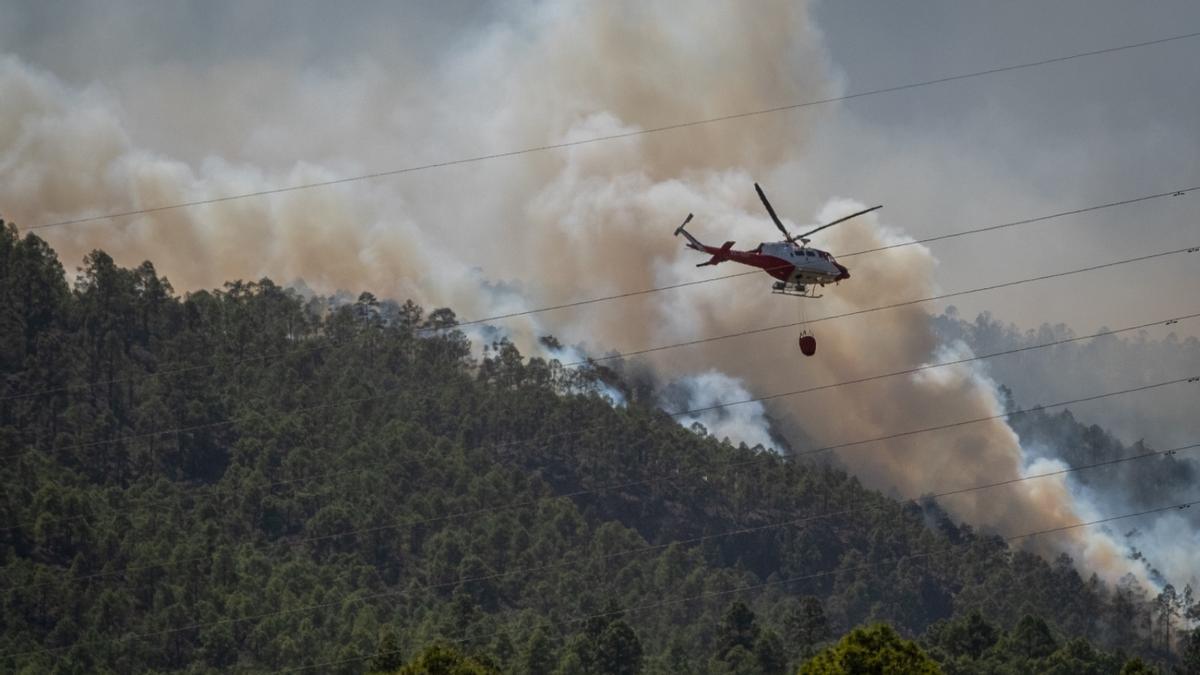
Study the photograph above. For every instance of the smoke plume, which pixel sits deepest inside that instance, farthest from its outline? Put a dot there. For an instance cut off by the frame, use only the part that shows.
(586, 221)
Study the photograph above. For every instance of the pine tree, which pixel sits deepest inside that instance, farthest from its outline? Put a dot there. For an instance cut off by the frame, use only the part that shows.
(874, 650)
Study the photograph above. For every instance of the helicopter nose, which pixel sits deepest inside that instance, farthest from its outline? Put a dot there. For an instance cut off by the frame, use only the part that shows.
(845, 273)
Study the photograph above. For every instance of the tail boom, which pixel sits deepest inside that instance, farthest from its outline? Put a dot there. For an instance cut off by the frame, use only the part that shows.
(719, 255)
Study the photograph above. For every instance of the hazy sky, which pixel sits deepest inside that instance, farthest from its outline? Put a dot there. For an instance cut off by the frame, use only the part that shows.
(957, 155)
(1036, 141)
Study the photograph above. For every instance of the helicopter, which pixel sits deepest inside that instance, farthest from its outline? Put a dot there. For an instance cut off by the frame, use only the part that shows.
(799, 270)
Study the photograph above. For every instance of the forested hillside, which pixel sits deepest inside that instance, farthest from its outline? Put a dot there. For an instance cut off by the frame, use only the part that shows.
(243, 479)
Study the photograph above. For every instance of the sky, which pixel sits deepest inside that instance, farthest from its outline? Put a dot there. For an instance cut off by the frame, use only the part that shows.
(126, 106)
(970, 153)
(1037, 141)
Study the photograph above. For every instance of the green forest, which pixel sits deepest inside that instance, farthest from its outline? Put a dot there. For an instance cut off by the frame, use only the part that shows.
(252, 480)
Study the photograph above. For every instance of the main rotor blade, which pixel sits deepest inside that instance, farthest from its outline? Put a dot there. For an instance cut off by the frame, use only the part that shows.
(839, 220)
(778, 223)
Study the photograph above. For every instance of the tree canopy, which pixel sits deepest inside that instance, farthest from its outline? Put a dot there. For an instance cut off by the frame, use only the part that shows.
(874, 650)
(249, 478)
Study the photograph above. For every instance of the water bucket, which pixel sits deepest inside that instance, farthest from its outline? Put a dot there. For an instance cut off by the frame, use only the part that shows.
(808, 345)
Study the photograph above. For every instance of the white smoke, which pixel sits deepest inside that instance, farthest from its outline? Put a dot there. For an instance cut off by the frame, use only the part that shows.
(746, 423)
(1167, 542)
(590, 220)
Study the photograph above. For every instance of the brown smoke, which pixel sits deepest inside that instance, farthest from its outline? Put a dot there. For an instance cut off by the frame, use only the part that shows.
(587, 221)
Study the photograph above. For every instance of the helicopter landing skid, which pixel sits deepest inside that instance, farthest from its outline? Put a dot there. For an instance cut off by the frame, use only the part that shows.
(780, 288)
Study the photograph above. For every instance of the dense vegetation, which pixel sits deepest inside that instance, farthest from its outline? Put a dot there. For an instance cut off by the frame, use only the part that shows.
(244, 479)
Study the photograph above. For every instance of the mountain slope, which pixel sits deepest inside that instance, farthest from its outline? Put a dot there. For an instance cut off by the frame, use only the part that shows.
(241, 479)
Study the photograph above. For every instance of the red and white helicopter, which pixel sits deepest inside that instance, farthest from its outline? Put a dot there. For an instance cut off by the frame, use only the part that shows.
(798, 268)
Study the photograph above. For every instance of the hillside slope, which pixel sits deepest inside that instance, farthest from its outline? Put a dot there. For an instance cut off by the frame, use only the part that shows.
(238, 479)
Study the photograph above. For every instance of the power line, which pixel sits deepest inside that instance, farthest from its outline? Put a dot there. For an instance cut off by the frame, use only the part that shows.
(644, 549)
(676, 476)
(732, 403)
(861, 380)
(864, 441)
(794, 521)
(926, 240)
(686, 412)
(628, 294)
(230, 421)
(988, 418)
(895, 305)
(492, 509)
(610, 137)
(1027, 535)
(778, 582)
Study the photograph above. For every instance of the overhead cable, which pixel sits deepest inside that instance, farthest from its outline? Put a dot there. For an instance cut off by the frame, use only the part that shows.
(492, 509)
(860, 380)
(465, 636)
(611, 137)
(589, 301)
(734, 532)
(324, 406)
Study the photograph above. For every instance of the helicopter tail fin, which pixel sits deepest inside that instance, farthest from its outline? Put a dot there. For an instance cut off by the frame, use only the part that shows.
(718, 255)
(692, 241)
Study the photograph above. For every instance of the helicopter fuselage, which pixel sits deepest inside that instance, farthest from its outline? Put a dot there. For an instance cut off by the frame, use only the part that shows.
(787, 262)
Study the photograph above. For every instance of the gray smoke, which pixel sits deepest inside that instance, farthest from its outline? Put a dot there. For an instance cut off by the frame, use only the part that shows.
(1162, 418)
(587, 221)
